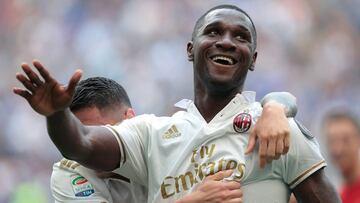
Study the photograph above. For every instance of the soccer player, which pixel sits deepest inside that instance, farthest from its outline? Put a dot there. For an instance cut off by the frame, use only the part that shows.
(97, 101)
(171, 155)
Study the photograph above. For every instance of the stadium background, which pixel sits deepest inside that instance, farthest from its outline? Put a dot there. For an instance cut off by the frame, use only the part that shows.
(308, 47)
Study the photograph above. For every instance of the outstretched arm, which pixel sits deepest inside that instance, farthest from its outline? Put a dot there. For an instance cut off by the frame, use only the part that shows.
(272, 129)
(316, 188)
(94, 147)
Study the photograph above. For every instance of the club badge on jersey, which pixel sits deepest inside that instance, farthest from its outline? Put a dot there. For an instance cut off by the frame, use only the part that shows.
(81, 186)
(242, 122)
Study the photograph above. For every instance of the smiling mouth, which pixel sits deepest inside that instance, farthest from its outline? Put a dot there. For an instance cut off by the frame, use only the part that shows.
(223, 60)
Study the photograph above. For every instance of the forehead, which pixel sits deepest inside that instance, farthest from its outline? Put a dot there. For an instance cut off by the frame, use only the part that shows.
(94, 116)
(228, 16)
(341, 126)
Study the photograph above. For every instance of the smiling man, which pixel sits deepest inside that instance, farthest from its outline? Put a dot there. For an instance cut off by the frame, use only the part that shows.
(223, 49)
(172, 155)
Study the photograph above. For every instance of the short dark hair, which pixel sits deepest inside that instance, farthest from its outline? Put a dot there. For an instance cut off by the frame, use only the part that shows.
(200, 21)
(100, 92)
(342, 114)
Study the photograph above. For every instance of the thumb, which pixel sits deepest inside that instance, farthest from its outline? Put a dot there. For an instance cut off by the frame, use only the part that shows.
(220, 175)
(252, 142)
(74, 81)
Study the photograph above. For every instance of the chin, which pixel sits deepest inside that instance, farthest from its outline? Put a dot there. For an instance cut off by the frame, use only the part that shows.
(221, 85)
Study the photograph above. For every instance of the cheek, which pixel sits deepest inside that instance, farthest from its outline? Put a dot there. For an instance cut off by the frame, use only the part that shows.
(201, 47)
(245, 53)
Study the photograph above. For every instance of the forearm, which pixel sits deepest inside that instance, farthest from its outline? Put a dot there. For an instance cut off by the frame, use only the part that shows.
(92, 146)
(68, 134)
(316, 188)
(287, 100)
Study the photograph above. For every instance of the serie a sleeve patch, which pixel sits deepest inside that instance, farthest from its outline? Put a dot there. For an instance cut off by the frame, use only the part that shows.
(81, 186)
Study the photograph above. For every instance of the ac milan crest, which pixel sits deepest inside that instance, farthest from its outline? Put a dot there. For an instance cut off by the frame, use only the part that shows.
(242, 122)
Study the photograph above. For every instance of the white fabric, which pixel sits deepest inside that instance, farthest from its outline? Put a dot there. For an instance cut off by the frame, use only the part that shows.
(107, 190)
(171, 166)
(171, 155)
(273, 183)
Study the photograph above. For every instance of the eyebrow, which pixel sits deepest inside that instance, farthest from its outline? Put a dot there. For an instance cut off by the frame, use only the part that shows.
(219, 23)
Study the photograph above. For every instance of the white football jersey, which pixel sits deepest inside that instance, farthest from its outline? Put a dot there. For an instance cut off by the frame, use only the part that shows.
(171, 155)
(273, 183)
(71, 182)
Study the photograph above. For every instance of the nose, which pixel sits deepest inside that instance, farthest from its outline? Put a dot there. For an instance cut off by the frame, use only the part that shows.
(225, 43)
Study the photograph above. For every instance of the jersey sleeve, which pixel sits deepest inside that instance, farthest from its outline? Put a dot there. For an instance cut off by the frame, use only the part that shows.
(133, 137)
(69, 186)
(304, 156)
(284, 98)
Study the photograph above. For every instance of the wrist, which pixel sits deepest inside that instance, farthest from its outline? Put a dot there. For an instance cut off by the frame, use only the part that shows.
(284, 98)
(272, 105)
(57, 114)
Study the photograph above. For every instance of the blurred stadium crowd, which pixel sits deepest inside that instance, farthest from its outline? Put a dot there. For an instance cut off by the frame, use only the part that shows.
(309, 48)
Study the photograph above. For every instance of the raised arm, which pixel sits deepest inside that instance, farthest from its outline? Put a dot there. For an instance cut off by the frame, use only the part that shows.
(94, 147)
(316, 188)
(272, 128)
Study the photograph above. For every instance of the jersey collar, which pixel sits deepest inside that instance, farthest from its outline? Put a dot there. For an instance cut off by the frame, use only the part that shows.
(245, 97)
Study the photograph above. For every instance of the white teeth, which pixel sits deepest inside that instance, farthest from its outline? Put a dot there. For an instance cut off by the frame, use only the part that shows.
(230, 60)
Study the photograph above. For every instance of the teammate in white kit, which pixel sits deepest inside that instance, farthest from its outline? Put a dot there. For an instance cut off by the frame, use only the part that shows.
(97, 101)
(181, 150)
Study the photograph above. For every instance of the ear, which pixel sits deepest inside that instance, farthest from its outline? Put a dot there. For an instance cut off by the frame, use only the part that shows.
(129, 113)
(252, 66)
(190, 51)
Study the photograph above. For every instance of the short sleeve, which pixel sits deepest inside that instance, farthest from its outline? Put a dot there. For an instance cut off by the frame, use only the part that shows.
(133, 137)
(70, 186)
(304, 156)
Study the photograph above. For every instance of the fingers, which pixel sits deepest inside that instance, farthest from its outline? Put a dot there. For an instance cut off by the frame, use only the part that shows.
(236, 200)
(262, 153)
(26, 82)
(271, 149)
(234, 195)
(43, 71)
(232, 185)
(74, 81)
(252, 142)
(22, 93)
(279, 148)
(286, 143)
(220, 175)
(34, 78)
(237, 193)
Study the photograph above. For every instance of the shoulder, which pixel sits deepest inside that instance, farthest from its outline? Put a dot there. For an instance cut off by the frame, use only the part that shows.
(304, 157)
(150, 120)
(65, 167)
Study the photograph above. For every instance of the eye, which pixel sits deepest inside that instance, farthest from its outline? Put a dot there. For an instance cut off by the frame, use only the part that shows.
(213, 33)
(242, 38)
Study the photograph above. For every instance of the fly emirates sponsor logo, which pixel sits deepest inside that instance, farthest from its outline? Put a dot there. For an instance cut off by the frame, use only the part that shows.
(201, 167)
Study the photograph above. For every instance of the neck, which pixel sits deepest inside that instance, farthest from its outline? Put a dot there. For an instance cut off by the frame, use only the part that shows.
(352, 175)
(209, 103)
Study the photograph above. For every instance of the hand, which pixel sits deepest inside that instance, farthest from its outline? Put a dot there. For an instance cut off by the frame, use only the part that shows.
(273, 131)
(45, 96)
(213, 190)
